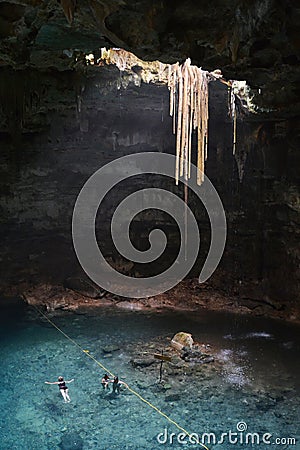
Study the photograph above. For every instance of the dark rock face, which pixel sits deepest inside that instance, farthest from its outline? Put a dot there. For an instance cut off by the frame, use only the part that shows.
(83, 287)
(255, 40)
(60, 121)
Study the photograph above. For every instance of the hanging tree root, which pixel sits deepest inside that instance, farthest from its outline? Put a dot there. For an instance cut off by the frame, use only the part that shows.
(188, 86)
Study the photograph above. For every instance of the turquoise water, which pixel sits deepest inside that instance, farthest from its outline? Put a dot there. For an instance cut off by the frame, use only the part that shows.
(255, 380)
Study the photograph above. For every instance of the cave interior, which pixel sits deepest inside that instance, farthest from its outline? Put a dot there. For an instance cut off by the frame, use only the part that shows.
(65, 113)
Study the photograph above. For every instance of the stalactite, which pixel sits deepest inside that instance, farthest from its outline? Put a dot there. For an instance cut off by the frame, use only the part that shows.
(234, 133)
(101, 10)
(79, 88)
(233, 115)
(69, 9)
(241, 158)
(239, 153)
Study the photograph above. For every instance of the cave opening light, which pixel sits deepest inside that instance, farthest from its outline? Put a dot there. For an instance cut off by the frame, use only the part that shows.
(188, 89)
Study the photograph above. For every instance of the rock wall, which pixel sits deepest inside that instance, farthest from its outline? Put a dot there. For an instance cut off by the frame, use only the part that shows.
(60, 127)
(256, 40)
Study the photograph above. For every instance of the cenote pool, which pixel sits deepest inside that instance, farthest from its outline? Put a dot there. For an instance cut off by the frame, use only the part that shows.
(251, 391)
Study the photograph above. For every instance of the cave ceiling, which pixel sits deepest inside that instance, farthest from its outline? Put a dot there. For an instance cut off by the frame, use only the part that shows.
(253, 40)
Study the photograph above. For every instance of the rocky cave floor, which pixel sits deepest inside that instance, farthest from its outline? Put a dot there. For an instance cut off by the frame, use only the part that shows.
(77, 294)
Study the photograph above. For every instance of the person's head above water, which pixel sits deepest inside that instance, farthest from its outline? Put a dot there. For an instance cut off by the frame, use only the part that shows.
(60, 379)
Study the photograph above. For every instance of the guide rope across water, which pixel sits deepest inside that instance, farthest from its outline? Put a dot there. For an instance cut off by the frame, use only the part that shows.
(87, 353)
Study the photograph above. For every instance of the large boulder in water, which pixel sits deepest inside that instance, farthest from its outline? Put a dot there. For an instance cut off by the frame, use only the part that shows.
(182, 339)
(71, 441)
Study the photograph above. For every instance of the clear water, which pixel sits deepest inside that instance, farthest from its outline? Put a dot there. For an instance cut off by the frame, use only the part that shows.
(255, 381)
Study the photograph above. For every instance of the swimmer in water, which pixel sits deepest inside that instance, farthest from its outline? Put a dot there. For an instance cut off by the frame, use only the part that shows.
(105, 381)
(63, 388)
(117, 384)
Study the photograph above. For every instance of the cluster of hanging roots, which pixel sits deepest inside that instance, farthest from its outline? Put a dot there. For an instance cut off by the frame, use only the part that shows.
(188, 86)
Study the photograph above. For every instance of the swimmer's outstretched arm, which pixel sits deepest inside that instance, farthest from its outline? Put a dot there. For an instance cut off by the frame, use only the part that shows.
(58, 382)
(120, 382)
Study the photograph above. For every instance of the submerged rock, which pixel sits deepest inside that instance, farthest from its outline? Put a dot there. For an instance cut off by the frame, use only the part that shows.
(172, 398)
(181, 340)
(143, 385)
(196, 356)
(110, 348)
(71, 441)
(142, 362)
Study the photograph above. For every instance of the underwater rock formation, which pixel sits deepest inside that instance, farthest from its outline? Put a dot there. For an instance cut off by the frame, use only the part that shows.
(181, 340)
(71, 441)
(61, 118)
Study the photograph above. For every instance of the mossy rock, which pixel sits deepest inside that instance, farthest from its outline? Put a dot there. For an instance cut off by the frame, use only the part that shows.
(181, 340)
